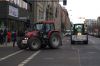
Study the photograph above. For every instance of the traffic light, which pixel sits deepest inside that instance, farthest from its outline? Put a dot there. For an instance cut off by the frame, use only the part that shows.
(64, 2)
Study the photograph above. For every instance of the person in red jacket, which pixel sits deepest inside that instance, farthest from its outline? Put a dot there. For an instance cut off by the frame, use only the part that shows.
(8, 36)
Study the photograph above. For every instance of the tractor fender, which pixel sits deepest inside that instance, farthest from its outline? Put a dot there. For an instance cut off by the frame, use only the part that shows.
(50, 33)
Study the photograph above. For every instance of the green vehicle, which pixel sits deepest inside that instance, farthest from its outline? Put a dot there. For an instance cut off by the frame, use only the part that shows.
(79, 34)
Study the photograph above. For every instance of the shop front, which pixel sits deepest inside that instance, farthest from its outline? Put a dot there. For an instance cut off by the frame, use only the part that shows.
(9, 16)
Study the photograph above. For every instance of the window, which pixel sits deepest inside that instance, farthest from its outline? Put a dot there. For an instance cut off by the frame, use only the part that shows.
(78, 29)
(56, 12)
(6, 0)
(40, 16)
(15, 1)
(48, 28)
(52, 27)
(38, 27)
(12, 1)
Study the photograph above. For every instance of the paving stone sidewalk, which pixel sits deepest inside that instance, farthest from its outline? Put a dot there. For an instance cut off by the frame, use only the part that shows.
(10, 44)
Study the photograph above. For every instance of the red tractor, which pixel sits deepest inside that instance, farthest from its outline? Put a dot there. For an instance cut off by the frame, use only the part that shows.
(43, 34)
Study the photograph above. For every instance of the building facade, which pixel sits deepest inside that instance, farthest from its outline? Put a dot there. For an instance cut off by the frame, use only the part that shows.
(91, 26)
(41, 10)
(66, 25)
(10, 13)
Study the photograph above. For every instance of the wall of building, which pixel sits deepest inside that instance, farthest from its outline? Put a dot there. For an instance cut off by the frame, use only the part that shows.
(49, 10)
(91, 25)
(10, 14)
(66, 25)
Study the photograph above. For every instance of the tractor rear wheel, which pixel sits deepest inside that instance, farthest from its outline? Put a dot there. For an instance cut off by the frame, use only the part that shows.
(55, 41)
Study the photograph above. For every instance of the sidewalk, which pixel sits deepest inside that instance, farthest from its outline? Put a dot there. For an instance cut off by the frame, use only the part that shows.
(10, 44)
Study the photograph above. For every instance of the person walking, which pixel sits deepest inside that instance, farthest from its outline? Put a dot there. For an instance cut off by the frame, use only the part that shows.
(5, 36)
(8, 36)
(1, 36)
(14, 36)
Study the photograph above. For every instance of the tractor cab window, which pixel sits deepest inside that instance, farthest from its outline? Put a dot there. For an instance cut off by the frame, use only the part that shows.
(38, 27)
(78, 29)
(52, 27)
(48, 28)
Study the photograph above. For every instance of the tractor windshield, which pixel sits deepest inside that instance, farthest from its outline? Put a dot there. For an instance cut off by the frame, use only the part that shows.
(78, 29)
(38, 27)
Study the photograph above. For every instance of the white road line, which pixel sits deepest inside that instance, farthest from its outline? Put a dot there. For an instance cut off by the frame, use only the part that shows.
(28, 59)
(79, 57)
(1, 59)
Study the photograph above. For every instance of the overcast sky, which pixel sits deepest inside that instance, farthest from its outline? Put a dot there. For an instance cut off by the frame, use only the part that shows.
(90, 9)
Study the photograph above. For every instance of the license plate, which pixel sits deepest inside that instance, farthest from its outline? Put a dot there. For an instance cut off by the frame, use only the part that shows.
(24, 41)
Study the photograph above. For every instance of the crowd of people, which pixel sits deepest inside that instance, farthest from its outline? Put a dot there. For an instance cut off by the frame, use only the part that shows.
(7, 36)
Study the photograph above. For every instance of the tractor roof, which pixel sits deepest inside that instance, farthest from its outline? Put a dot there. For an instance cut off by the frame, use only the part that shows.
(47, 22)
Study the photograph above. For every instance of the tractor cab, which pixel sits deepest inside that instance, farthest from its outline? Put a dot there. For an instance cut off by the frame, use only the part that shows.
(44, 27)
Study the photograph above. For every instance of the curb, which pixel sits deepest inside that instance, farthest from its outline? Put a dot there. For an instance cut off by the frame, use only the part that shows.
(8, 45)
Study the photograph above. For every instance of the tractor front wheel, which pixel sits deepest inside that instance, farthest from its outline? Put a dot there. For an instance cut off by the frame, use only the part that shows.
(34, 43)
(21, 45)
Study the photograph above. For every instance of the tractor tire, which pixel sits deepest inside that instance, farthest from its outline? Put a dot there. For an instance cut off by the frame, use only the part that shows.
(20, 45)
(55, 41)
(34, 44)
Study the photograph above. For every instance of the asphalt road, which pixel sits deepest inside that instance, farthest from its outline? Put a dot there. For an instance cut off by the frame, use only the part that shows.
(67, 55)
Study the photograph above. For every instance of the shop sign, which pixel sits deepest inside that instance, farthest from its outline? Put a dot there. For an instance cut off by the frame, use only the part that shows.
(13, 11)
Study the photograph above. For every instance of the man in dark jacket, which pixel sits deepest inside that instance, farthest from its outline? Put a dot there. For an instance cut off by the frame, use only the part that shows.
(14, 36)
(1, 36)
(5, 36)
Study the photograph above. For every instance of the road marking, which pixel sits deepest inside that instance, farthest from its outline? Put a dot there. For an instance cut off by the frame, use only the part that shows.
(29, 58)
(10, 55)
(79, 57)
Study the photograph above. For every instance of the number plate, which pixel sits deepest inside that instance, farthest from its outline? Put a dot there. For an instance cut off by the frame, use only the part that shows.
(24, 41)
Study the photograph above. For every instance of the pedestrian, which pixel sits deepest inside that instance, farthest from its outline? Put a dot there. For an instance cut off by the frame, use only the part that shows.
(5, 36)
(14, 36)
(8, 36)
(1, 36)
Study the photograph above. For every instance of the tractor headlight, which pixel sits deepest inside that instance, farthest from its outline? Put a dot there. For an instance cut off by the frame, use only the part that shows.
(26, 38)
(79, 34)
